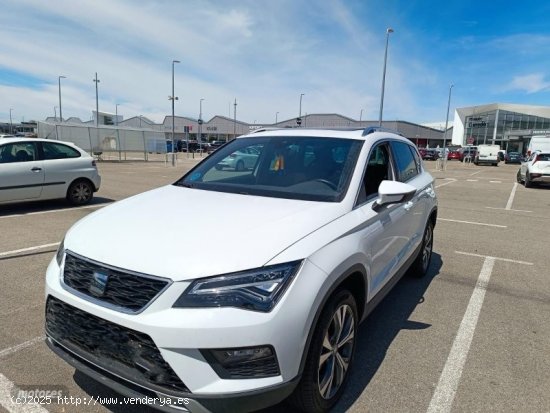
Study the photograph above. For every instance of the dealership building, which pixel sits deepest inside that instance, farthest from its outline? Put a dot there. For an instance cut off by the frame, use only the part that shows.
(508, 125)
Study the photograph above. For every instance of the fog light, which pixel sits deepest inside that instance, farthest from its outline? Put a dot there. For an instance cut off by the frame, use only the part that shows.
(242, 363)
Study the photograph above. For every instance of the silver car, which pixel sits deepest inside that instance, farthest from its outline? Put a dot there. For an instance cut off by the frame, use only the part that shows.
(240, 160)
(37, 169)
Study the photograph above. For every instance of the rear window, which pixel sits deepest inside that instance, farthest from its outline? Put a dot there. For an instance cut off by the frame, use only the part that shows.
(543, 157)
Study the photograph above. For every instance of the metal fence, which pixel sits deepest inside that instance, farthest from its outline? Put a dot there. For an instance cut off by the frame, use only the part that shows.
(107, 142)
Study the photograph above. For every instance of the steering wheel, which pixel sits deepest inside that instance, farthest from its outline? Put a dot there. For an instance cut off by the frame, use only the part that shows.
(328, 183)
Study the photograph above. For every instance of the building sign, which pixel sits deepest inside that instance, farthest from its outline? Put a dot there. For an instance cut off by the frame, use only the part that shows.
(476, 122)
(540, 132)
(212, 128)
(254, 127)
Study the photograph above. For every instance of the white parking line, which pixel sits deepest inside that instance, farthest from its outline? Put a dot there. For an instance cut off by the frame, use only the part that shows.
(496, 258)
(512, 194)
(52, 211)
(442, 399)
(450, 181)
(6, 401)
(475, 173)
(506, 209)
(472, 180)
(495, 182)
(473, 223)
(14, 349)
(38, 247)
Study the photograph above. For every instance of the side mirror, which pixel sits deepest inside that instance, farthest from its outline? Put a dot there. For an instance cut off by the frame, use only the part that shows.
(393, 192)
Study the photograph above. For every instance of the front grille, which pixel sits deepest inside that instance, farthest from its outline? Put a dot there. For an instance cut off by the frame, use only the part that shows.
(127, 353)
(129, 291)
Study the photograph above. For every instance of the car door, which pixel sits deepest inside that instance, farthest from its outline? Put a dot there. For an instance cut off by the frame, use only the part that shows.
(409, 171)
(382, 236)
(21, 172)
(62, 165)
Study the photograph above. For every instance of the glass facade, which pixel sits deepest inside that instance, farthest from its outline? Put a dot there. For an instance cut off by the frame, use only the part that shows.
(481, 126)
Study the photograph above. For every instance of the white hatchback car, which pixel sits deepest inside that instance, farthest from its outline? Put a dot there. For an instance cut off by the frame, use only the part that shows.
(308, 241)
(38, 169)
(535, 170)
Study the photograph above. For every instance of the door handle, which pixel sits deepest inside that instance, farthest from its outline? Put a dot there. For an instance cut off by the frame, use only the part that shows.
(36, 169)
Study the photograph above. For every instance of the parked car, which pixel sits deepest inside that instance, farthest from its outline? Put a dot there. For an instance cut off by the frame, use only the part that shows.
(333, 220)
(39, 169)
(487, 154)
(535, 170)
(240, 160)
(468, 154)
(513, 157)
(429, 154)
(538, 143)
(454, 155)
(6, 136)
(215, 145)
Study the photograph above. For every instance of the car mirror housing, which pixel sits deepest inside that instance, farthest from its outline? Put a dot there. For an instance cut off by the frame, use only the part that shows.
(392, 192)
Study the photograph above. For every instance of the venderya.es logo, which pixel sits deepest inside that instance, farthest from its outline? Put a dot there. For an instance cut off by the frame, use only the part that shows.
(98, 286)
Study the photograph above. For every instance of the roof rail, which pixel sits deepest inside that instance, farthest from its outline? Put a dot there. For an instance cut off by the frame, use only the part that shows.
(264, 130)
(371, 129)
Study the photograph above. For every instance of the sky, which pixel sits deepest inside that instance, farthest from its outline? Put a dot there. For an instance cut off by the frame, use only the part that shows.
(265, 54)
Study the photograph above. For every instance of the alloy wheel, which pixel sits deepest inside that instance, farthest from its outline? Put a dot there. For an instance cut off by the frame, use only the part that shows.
(336, 351)
(427, 249)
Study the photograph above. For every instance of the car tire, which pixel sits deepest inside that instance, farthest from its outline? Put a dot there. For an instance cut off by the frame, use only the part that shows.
(527, 182)
(419, 268)
(316, 393)
(239, 166)
(80, 192)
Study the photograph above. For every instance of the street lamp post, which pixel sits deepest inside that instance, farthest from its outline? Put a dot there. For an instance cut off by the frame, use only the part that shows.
(173, 98)
(116, 113)
(276, 116)
(59, 84)
(388, 31)
(55, 112)
(446, 125)
(11, 124)
(300, 111)
(235, 119)
(96, 80)
(361, 115)
(200, 124)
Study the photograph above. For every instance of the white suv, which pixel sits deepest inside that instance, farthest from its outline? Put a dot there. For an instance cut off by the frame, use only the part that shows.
(307, 240)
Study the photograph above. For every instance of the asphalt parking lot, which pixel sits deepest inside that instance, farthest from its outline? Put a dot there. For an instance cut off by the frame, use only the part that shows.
(474, 335)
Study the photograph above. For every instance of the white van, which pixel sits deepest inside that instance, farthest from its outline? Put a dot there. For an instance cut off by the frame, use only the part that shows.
(539, 143)
(487, 154)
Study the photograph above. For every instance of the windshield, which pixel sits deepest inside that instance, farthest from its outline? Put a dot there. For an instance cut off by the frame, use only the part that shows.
(307, 168)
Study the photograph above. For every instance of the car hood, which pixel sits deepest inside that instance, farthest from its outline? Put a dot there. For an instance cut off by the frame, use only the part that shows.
(184, 233)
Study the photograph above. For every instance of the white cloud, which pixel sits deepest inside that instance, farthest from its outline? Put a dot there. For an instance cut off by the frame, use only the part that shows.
(531, 83)
(263, 53)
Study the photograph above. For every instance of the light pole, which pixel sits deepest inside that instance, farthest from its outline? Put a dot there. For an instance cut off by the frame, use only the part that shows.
(116, 113)
(446, 124)
(361, 115)
(276, 115)
(59, 83)
(388, 31)
(11, 125)
(96, 80)
(235, 119)
(200, 124)
(173, 98)
(300, 111)
(55, 112)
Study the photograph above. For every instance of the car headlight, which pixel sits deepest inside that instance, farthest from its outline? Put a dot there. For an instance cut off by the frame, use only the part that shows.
(60, 252)
(257, 290)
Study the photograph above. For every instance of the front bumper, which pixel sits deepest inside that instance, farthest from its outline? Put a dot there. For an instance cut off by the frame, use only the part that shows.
(179, 334)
